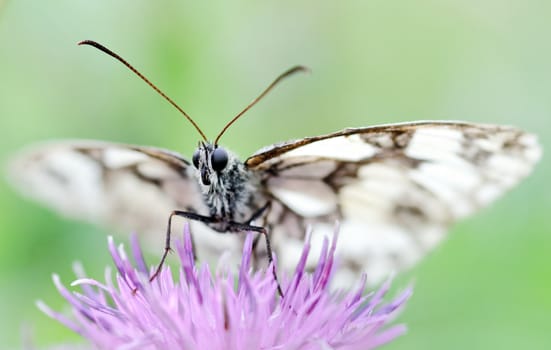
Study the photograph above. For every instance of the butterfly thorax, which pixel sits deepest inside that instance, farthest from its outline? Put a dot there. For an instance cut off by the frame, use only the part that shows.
(230, 191)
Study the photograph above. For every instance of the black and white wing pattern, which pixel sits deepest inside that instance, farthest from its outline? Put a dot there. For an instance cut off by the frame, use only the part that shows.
(395, 188)
(124, 188)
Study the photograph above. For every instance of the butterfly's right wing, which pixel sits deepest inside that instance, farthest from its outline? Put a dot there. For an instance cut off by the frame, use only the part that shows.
(130, 188)
(395, 188)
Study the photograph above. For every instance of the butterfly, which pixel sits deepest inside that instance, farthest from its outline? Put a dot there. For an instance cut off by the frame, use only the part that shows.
(395, 189)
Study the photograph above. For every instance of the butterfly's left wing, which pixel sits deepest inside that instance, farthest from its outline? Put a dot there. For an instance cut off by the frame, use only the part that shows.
(125, 188)
(395, 188)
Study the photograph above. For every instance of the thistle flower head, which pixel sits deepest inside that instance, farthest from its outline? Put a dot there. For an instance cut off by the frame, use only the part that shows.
(205, 310)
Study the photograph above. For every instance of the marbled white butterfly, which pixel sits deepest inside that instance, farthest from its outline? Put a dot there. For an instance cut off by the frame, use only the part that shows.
(395, 188)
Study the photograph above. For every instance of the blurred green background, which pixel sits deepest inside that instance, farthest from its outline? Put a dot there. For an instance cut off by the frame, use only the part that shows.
(378, 61)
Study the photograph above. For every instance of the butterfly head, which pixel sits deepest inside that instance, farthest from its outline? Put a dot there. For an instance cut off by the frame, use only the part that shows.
(210, 161)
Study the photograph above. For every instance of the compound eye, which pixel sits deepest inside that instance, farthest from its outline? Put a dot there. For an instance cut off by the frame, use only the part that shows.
(195, 158)
(219, 159)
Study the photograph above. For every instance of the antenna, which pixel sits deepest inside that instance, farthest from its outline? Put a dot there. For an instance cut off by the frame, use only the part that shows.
(129, 66)
(284, 75)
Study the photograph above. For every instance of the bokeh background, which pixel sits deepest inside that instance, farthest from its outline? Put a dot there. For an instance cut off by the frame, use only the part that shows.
(377, 61)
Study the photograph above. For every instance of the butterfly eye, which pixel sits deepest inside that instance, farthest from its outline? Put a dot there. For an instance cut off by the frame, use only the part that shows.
(219, 159)
(195, 158)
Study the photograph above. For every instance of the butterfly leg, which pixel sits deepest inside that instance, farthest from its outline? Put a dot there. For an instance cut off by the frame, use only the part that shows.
(269, 252)
(236, 227)
(168, 249)
(255, 216)
(231, 226)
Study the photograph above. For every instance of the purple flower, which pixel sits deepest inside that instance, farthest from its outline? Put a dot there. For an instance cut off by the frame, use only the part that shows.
(202, 310)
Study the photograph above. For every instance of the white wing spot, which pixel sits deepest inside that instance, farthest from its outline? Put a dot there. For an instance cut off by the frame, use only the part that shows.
(120, 157)
(307, 198)
(351, 148)
(434, 143)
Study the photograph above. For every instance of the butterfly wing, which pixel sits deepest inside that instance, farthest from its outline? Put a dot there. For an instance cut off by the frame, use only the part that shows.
(130, 188)
(395, 188)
